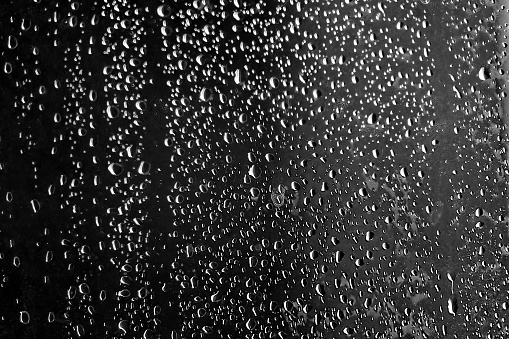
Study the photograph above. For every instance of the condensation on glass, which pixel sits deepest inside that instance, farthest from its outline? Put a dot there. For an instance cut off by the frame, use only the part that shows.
(253, 169)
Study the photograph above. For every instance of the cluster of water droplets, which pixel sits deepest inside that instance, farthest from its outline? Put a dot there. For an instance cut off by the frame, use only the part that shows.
(268, 169)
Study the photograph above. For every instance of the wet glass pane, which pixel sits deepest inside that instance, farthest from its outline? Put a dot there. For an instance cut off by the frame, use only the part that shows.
(253, 169)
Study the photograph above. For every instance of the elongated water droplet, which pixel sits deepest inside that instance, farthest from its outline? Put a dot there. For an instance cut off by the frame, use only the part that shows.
(24, 317)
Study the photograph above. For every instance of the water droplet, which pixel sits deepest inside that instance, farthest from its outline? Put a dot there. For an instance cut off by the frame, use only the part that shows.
(102, 295)
(255, 171)
(84, 289)
(80, 330)
(7, 68)
(12, 42)
(113, 112)
(24, 317)
(115, 169)
(123, 326)
(36, 206)
(206, 94)
(49, 256)
(166, 31)
(144, 168)
(164, 11)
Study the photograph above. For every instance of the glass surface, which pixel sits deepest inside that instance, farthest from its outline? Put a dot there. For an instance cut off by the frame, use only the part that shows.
(253, 169)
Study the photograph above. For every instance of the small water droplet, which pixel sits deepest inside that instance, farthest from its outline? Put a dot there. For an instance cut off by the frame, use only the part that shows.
(164, 11)
(7, 68)
(36, 206)
(144, 168)
(116, 169)
(80, 330)
(112, 112)
(84, 289)
(12, 42)
(24, 317)
(206, 94)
